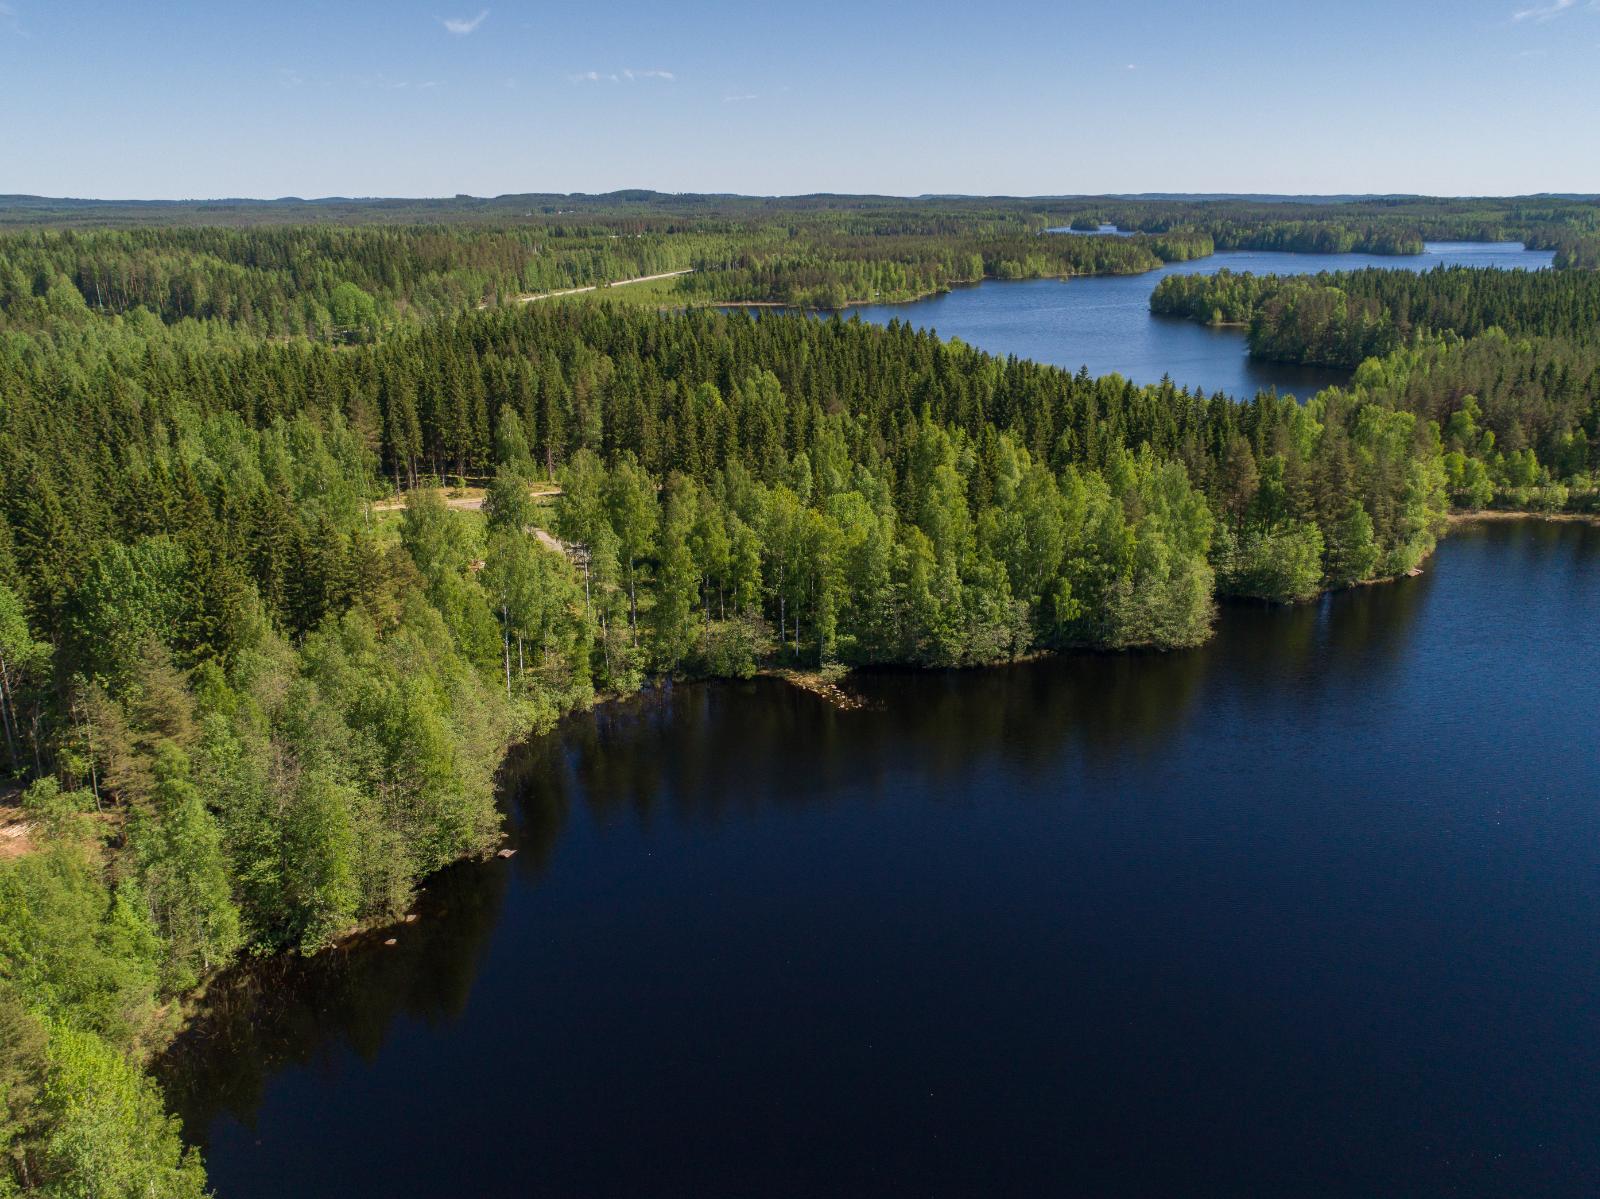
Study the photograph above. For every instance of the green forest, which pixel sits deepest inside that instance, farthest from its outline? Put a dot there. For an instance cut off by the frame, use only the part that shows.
(302, 524)
(1505, 362)
(1342, 318)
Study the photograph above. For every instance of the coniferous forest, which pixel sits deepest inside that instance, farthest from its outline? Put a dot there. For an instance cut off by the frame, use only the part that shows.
(304, 520)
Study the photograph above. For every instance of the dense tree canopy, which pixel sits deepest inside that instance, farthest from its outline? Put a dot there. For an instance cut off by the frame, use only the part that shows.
(299, 529)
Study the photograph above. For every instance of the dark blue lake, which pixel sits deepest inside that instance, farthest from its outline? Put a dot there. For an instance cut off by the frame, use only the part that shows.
(1104, 322)
(1310, 910)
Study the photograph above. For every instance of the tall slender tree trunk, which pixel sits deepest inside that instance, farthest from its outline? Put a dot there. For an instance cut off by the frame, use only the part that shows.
(505, 643)
(80, 721)
(94, 768)
(783, 609)
(6, 710)
(633, 605)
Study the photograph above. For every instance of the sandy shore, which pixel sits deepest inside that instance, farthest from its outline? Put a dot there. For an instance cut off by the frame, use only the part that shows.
(1496, 514)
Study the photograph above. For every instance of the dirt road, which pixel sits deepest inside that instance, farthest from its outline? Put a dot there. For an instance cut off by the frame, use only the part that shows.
(573, 291)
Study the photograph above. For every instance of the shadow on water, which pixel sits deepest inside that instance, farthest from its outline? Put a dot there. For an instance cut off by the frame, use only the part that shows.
(707, 754)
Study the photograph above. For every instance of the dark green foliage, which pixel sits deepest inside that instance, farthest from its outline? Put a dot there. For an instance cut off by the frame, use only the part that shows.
(1342, 318)
(1505, 363)
(256, 708)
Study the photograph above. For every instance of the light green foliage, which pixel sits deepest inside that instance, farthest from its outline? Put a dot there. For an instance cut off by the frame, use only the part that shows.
(321, 895)
(581, 513)
(131, 594)
(108, 1135)
(677, 577)
(183, 874)
(1140, 572)
(354, 313)
(23, 664)
(511, 454)
(75, 949)
(23, 1123)
(1352, 551)
(1026, 529)
(507, 505)
(435, 537)
(629, 499)
(60, 815)
(1282, 563)
(1468, 481)
(547, 625)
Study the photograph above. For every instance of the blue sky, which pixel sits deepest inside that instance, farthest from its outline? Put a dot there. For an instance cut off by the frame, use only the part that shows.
(433, 97)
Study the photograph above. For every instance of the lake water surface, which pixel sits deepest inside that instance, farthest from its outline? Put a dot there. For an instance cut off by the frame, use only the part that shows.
(1310, 910)
(1104, 322)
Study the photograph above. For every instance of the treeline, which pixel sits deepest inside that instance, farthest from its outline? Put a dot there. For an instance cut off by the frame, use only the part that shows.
(1519, 417)
(1314, 237)
(328, 283)
(343, 282)
(253, 717)
(1315, 319)
(1372, 225)
(1536, 220)
(343, 285)
(1513, 381)
(696, 396)
(837, 272)
(1342, 318)
(1578, 253)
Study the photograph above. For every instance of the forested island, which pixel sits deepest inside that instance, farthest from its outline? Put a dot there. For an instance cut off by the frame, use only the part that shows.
(305, 517)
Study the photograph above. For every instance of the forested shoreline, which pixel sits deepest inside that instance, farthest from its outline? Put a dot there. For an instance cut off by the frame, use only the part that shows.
(1506, 362)
(355, 284)
(352, 269)
(246, 709)
(1342, 318)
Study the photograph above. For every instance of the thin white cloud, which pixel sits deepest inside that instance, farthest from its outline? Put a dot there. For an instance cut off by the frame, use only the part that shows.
(461, 26)
(1132, 66)
(382, 82)
(1544, 12)
(626, 75)
(289, 77)
(740, 98)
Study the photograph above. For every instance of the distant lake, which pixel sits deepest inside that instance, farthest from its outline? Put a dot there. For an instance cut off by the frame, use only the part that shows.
(1103, 231)
(1104, 321)
(1309, 911)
